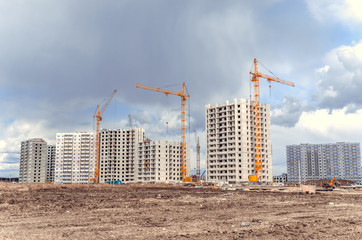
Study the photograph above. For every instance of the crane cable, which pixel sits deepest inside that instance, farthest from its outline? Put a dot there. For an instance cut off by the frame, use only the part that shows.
(167, 110)
(268, 80)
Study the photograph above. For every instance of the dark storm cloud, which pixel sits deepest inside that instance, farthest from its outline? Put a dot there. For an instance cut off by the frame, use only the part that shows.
(60, 51)
(59, 59)
(289, 111)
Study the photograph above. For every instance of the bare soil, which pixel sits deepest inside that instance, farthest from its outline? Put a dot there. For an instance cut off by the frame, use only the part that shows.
(139, 211)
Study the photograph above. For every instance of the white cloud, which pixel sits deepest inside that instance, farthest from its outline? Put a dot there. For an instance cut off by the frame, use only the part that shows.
(337, 125)
(354, 9)
(5, 165)
(323, 69)
(14, 134)
(330, 92)
(340, 80)
(21, 130)
(343, 10)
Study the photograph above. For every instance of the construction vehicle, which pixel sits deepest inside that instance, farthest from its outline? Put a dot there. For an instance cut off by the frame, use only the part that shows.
(331, 184)
(114, 182)
(184, 97)
(98, 118)
(258, 166)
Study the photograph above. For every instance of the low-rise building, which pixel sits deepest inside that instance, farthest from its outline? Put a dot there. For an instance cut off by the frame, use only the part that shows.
(283, 178)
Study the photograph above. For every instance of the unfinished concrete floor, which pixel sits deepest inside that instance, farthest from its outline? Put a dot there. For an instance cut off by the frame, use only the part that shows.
(42, 211)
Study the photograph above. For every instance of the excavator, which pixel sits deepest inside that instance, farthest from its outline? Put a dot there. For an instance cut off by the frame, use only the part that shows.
(331, 184)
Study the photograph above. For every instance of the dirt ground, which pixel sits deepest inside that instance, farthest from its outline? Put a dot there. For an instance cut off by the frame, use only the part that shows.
(138, 211)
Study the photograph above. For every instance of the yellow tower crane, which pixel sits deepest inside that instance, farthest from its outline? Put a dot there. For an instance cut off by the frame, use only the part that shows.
(98, 117)
(257, 129)
(184, 97)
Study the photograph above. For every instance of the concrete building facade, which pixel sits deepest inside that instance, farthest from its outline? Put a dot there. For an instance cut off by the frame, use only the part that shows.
(129, 156)
(324, 161)
(125, 155)
(117, 154)
(50, 168)
(283, 178)
(33, 161)
(160, 161)
(230, 142)
(75, 155)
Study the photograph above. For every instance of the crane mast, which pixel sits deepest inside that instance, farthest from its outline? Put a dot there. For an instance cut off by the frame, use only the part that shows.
(184, 97)
(258, 168)
(98, 118)
(130, 121)
(197, 157)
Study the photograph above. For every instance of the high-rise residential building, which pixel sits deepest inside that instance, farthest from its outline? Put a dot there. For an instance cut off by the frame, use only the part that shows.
(127, 155)
(160, 161)
(117, 154)
(339, 160)
(50, 168)
(33, 161)
(230, 142)
(75, 157)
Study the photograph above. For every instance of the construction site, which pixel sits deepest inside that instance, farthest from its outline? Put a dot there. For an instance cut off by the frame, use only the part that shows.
(131, 187)
(184, 119)
(165, 211)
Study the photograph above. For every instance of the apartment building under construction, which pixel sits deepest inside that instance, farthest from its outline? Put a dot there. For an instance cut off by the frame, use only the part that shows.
(159, 161)
(75, 154)
(127, 155)
(117, 154)
(230, 142)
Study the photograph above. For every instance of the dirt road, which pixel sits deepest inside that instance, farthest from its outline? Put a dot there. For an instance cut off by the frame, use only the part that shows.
(174, 212)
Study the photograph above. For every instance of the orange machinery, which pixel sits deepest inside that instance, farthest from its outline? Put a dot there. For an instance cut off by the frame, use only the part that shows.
(258, 169)
(184, 97)
(98, 117)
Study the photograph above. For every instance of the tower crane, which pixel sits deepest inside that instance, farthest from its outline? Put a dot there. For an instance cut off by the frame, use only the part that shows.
(197, 157)
(130, 121)
(184, 97)
(258, 168)
(98, 117)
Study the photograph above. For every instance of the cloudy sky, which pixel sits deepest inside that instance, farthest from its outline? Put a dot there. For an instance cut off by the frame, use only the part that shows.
(59, 59)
